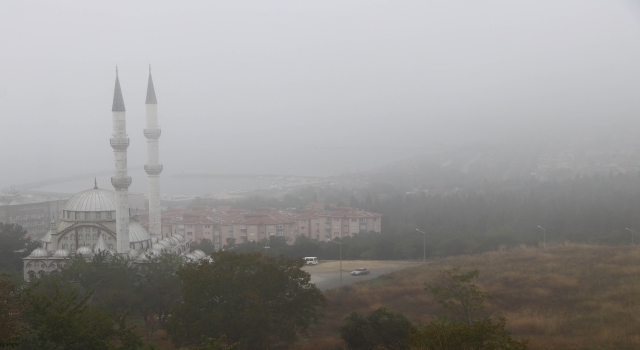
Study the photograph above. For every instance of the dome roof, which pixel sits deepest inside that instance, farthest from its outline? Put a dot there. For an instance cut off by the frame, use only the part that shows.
(47, 237)
(39, 253)
(94, 199)
(61, 253)
(133, 254)
(199, 253)
(158, 246)
(192, 257)
(137, 233)
(84, 250)
(179, 237)
(173, 241)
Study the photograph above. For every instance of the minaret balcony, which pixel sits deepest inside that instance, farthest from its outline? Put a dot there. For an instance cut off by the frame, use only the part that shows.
(119, 143)
(153, 169)
(152, 134)
(121, 183)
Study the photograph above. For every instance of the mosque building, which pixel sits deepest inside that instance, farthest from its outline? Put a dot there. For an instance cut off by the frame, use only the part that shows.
(99, 220)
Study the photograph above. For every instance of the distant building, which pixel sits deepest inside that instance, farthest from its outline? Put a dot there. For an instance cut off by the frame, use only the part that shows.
(31, 212)
(223, 223)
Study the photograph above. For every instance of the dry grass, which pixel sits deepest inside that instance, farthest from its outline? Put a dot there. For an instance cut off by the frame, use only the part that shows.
(564, 297)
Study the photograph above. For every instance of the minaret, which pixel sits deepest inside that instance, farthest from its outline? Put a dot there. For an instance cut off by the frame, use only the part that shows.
(153, 166)
(120, 180)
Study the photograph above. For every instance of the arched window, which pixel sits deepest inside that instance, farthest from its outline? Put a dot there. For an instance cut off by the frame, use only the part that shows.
(73, 247)
(64, 246)
(95, 236)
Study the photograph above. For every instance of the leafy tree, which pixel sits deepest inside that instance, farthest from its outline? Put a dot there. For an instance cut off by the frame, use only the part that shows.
(66, 321)
(258, 301)
(458, 294)
(382, 329)
(216, 344)
(205, 245)
(12, 302)
(159, 287)
(14, 246)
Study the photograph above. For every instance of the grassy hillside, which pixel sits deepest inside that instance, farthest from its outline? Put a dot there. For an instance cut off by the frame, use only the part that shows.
(562, 297)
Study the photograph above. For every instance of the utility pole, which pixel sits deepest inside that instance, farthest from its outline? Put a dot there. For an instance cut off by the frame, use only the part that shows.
(424, 246)
(631, 234)
(544, 237)
(328, 240)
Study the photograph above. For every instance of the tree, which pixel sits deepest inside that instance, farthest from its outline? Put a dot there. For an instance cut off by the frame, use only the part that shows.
(159, 287)
(382, 329)
(12, 302)
(458, 294)
(205, 245)
(257, 301)
(65, 320)
(14, 246)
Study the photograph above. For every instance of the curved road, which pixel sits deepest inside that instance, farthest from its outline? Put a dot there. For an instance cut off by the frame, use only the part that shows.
(326, 274)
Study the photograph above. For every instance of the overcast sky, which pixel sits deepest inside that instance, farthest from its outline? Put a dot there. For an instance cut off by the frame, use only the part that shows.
(304, 87)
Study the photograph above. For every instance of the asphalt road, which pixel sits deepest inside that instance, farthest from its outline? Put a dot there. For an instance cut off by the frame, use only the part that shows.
(326, 274)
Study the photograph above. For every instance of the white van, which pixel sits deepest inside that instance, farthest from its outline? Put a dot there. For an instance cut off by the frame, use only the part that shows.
(311, 260)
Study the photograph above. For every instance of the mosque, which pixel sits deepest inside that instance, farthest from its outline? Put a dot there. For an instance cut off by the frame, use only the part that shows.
(99, 220)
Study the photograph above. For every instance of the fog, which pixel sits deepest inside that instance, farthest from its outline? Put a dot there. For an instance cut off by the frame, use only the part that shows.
(302, 87)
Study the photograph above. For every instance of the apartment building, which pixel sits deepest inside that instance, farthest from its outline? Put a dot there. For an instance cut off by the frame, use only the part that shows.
(31, 212)
(224, 223)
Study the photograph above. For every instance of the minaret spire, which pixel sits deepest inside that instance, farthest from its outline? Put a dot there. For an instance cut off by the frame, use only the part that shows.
(153, 166)
(120, 181)
(118, 101)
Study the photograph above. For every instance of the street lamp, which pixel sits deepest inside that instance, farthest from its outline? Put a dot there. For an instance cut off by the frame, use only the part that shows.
(266, 247)
(544, 237)
(328, 241)
(631, 234)
(424, 246)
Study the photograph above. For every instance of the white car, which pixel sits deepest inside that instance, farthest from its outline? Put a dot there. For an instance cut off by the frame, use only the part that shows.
(359, 272)
(311, 260)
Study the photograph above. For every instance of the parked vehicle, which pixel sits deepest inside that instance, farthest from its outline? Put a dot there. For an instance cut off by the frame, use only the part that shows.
(311, 260)
(359, 272)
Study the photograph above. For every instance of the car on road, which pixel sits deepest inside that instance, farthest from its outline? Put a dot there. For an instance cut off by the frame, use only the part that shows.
(359, 272)
(311, 260)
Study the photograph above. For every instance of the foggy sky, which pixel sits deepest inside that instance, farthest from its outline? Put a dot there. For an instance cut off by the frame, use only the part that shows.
(305, 87)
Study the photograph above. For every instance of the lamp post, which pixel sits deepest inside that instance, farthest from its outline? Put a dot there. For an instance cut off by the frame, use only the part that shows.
(544, 237)
(328, 240)
(266, 247)
(424, 246)
(631, 234)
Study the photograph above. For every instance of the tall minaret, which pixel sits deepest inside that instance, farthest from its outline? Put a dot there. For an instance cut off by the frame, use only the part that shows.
(121, 182)
(153, 166)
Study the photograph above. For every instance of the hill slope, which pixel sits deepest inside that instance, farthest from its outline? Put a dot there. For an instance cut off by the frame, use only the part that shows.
(563, 297)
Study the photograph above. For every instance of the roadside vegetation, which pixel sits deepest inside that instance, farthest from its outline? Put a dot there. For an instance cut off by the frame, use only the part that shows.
(568, 296)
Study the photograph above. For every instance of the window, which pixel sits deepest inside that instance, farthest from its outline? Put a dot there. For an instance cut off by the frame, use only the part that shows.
(217, 247)
(353, 220)
(189, 233)
(280, 233)
(216, 233)
(207, 233)
(327, 226)
(302, 227)
(77, 216)
(363, 220)
(243, 227)
(363, 227)
(336, 219)
(280, 227)
(336, 233)
(109, 215)
(207, 226)
(86, 216)
(98, 216)
(216, 239)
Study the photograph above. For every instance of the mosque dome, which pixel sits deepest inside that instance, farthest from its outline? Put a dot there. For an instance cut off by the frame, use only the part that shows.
(179, 237)
(158, 246)
(133, 254)
(199, 253)
(95, 199)
(84, 250)
(192, 257)
(173, 241)
(39, 253)
(137, 233)
(61, 253)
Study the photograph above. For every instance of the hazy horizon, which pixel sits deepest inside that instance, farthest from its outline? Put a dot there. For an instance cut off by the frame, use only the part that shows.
(308, 88)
